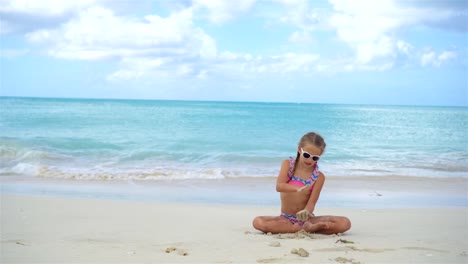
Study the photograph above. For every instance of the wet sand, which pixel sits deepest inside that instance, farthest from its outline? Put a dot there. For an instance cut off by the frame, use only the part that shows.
(338, 192)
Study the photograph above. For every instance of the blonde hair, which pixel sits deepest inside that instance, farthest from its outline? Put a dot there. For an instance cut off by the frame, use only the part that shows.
(310, 138)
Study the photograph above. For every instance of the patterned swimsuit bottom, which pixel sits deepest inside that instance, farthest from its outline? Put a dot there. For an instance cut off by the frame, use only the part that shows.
(294, 220)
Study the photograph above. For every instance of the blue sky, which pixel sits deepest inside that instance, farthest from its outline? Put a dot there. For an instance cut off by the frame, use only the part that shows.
(338, 51)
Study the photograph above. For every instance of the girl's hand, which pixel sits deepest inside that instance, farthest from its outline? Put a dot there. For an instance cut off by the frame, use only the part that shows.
(303, 215)
(305, 187)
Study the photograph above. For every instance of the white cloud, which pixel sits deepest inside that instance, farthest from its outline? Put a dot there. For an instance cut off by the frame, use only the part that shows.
(227, 64)
(221, 11)
(447, 55)
(333, 66)
(404, 47)
(370, 28)
(43, 7)
(301, 37)
(369, 51)
(23, 16)
(301, 15)
(125, 75)
(143, 46)
(277, 64)
(363, 26)
(307, 16)
(366, 26)
(430, 58)
(134, 68)
(447, 15)
(99, 34)
(173, 45)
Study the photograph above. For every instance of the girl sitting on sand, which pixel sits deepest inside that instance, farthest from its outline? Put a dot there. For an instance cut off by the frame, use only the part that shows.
(299, 183)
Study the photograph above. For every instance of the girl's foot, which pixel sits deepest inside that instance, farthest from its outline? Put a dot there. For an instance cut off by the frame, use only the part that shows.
(312, 228)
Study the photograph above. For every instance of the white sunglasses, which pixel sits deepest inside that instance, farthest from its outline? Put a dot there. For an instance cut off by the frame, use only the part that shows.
(307, 155)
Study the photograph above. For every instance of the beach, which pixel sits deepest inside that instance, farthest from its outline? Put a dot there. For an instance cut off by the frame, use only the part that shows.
(160, 131)
(57, 229)
(124, 181)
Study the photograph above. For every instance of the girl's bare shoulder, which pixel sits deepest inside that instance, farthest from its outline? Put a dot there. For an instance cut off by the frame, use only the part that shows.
(285, 163)
(321, 175)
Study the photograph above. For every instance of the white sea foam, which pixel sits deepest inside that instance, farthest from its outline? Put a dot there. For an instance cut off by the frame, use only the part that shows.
(23, 169)
(155, 174)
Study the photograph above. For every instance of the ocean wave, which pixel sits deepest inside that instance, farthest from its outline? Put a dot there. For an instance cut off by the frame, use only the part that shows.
(20, 169)
(149, 175)
(186, 172)
(21, 154)
(141, 164)
(15, 152)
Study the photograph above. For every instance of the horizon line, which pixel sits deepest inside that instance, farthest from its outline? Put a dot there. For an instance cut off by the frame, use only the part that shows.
(226, 101)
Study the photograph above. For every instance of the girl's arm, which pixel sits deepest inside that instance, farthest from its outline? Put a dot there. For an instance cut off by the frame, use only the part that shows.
(314, 196)
(282, 180)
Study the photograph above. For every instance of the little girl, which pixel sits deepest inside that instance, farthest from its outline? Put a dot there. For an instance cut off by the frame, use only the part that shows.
(299, 183)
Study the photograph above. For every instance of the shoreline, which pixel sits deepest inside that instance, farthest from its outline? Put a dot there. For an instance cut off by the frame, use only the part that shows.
(340, 192)
(52, 229)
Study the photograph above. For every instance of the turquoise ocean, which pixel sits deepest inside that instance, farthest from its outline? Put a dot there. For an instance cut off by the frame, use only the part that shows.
(153, 140)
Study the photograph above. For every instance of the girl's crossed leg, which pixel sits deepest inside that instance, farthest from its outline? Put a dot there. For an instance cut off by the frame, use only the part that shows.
(327, 224)
(320, 224)
(275, 225)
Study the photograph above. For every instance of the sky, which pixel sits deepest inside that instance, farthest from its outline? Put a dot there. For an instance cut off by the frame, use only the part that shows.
(393, 52)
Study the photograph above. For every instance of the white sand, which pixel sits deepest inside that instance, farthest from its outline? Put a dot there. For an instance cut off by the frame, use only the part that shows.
(61, 230)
